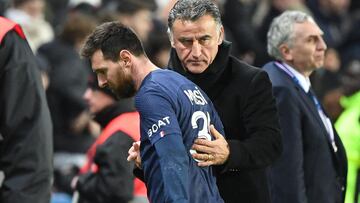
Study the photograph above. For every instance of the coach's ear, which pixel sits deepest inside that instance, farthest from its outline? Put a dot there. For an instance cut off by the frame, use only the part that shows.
(221, 35)
(171, 37)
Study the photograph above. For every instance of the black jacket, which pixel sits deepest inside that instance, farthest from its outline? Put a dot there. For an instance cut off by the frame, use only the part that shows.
(68, 82)
(114, 180)
(309, 170)
(242, 96)
(25, 126)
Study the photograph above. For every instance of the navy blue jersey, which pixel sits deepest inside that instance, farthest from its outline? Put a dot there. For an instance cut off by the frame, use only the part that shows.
(173, 113)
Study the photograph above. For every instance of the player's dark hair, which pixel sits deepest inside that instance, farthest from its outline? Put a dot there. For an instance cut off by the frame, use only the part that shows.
(111, 38)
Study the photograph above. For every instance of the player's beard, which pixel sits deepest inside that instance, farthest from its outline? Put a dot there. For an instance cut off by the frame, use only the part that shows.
(124, 86)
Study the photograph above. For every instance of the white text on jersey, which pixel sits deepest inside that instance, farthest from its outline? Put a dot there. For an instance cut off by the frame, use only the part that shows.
(156, 126)
(195, 96)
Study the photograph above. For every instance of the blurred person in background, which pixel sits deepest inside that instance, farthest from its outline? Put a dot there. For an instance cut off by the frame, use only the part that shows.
(137, 14)
(30, 15)
(313, 165)
(348, 127)
(68, 82)
(158, 46)
(107, 176)
(163, 9)
(25, 124)
(328, 77)
(4, 4)
(248, 22)
(57, 10)
(44, 68)
(334, 20)
(326, 83)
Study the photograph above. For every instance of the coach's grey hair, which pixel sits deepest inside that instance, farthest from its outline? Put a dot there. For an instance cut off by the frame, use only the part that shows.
(282, 29)
(193, 10)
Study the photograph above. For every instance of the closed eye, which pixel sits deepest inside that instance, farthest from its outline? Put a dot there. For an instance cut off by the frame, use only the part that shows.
(100, 71)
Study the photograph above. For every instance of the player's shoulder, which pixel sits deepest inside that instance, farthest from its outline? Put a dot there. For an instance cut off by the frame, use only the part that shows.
(164, 75)
(153, 84)
(166, 80)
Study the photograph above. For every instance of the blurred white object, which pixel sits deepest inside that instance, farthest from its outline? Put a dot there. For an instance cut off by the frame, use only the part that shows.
(30, 16)
(75, 198)
(95, 3)
(2, 177)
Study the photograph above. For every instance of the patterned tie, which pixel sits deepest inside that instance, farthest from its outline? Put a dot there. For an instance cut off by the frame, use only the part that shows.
(313, 98)
(326, 121)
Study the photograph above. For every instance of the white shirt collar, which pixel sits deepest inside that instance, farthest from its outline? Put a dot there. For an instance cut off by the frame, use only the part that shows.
(304, 81)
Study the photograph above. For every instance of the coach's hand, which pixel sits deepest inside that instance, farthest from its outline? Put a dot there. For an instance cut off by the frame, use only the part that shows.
(214, 152)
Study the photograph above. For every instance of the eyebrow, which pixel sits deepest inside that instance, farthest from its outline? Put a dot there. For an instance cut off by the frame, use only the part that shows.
(315, 36)
(205, 37)
(190, 38)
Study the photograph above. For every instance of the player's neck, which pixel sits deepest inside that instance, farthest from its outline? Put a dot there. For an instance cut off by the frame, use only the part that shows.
(143, 67)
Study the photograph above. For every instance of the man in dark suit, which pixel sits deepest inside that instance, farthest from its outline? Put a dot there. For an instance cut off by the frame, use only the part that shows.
(241, 94)
(313, 165)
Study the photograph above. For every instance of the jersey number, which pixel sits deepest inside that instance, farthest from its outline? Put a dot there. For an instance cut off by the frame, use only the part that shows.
(204, 132)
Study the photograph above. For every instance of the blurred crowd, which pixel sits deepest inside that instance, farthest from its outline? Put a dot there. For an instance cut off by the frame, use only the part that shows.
(56, 30)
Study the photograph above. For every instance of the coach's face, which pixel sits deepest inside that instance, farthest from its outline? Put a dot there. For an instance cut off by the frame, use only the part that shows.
(196, 42)
(113, 74)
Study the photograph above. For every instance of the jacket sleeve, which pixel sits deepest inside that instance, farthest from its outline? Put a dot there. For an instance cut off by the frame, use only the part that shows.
(259, 114)
(287, 173)
(25, 125)
(114, 181)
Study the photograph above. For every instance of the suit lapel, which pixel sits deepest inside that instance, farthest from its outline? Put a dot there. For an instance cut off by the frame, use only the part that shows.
(308, 103)
(312, 108)
(339, 157)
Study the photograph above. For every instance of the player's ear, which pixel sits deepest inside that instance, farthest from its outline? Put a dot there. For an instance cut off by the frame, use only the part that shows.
(125, 56)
